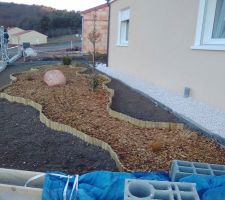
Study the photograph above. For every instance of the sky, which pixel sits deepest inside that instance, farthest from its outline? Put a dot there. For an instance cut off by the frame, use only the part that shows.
(77, 5)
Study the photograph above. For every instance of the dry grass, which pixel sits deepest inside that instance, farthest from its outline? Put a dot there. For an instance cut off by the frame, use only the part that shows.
(29, 77)
(157, 146)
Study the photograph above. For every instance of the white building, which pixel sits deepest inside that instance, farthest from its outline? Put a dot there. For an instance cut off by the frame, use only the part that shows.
(173, 44)
(20, 36)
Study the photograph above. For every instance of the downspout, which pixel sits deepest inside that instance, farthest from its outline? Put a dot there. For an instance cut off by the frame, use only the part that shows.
(108, 34)
(82, 33)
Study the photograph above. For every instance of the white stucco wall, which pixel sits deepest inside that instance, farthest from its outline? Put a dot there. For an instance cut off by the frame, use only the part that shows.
(159, 51)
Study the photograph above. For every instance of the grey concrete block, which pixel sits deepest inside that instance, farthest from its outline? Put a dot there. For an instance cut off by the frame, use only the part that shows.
(159, 190)
(180, 169)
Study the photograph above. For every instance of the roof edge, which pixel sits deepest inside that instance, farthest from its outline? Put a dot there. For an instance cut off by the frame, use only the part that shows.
(94, 8)
(27, 31)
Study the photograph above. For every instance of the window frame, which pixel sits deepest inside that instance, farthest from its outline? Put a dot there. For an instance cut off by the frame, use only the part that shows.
(205, 24)
(120, 20)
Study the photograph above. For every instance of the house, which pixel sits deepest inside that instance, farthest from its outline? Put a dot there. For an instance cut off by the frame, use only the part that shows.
(173, 44)
(101, 13)
(14, 30)
(19, 36)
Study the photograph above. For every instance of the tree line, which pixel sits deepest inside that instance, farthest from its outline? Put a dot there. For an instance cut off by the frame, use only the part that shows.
(46, 20)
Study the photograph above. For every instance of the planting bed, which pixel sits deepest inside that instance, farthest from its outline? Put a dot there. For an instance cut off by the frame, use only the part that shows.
(27, 144)
(138, 148)
(126, 100)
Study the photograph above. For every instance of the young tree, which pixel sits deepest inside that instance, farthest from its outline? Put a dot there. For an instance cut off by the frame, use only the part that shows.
(94, 37)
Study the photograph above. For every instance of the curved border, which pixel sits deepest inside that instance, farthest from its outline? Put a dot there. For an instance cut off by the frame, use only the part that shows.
(65, 128)
(134, 121)
(127, 118)
(58, 126)
(91, 140)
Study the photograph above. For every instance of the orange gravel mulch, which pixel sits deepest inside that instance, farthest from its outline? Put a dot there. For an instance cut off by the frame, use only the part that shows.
(139, 149)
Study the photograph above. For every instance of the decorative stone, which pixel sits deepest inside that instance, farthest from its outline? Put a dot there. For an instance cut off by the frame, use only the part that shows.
(54, 78)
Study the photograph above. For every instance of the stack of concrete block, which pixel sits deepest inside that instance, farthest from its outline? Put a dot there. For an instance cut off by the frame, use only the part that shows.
(159, 190)
(181, 169)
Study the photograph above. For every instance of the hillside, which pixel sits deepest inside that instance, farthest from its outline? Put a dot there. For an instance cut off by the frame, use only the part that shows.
(43, 19)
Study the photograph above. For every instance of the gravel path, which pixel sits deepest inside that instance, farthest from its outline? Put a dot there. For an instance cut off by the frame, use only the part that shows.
(27, 144)
(199, 115)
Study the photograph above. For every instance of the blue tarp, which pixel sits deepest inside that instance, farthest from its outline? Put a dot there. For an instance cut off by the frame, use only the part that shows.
(208, 187)
(100, 185)
(105, 185)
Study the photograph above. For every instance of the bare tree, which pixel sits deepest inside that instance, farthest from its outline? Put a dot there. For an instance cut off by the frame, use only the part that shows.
(94, 37)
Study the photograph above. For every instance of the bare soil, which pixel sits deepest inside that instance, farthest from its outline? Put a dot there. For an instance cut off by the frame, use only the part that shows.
(139, 149)
(27, 144)
(138, 106)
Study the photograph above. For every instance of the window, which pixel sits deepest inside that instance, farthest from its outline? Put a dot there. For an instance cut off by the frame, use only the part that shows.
(124, 21)
(211, 25)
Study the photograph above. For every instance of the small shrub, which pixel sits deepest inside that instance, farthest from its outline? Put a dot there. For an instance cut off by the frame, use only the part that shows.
(94, 83)
(67, 60)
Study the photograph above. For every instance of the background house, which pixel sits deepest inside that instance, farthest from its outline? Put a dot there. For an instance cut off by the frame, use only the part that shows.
(14, 30)
(101, 12)
(158, 42)
(19, 36)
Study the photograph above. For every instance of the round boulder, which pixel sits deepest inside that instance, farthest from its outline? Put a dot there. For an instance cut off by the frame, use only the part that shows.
(54, 78)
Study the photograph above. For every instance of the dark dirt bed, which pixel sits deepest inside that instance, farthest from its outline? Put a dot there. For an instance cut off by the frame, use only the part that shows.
(128, 101)
(27, 144)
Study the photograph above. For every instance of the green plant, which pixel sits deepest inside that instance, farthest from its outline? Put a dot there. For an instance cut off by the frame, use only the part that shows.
(94, 83)
(67, 60)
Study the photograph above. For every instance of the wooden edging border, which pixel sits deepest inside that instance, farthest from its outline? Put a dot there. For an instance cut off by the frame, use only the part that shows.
(127, 118)
(91, 140)
(134, 121)
(65, 128)
(58, 126)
